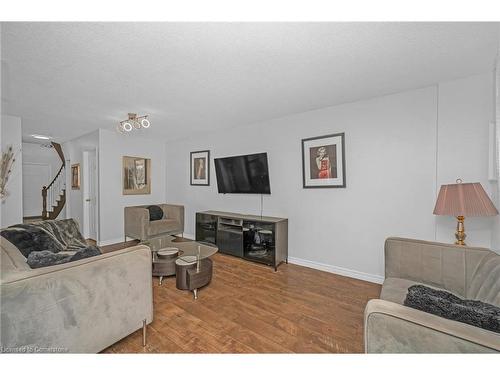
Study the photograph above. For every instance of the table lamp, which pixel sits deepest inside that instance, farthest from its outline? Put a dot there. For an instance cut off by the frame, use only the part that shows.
(461, 200)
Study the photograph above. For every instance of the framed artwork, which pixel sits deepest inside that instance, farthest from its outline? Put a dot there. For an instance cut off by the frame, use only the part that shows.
(323, 161)
(200, 168)
(136, 175)
(75, 176)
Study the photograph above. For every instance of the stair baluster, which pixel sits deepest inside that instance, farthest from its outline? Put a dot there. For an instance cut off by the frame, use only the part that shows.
(54, 195)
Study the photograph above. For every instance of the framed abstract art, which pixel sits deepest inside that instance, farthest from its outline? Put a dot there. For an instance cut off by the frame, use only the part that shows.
(136, 175)
(323, 161)
(200, 168)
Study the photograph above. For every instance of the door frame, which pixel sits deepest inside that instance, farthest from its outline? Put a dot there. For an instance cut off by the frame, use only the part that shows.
(22, 172)
(85, 191)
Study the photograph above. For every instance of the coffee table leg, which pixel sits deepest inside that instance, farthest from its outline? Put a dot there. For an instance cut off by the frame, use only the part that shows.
(195, 292)
(161, 279)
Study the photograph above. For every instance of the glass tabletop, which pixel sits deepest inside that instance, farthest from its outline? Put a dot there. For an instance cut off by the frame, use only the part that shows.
(189, 251)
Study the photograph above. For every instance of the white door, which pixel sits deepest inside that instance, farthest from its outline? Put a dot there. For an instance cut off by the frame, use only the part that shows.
(90, 199)
(35, 176)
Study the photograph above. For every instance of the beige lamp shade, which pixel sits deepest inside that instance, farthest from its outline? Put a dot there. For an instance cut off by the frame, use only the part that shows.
(464, 199)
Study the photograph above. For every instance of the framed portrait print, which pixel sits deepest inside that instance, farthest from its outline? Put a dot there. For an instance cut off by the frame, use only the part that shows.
(75, 176)
(136, 175)
(200, 168)
(323, 161)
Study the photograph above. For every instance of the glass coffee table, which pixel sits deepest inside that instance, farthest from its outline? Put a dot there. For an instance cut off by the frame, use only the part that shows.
(188, 260)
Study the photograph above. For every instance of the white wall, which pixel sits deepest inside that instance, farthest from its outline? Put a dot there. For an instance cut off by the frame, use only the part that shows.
(12, 207)
(495, 233)
(465, 112)
(394, 163)
(112, 147)
(35, 154)
(73, 152)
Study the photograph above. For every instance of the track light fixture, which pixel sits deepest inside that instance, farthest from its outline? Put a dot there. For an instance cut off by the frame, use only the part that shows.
(133, 123)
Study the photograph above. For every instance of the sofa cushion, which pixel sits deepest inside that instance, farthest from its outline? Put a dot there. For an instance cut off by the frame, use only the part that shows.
(30, 237)
(449, 306)
(163, 226)
(485, 281)
(155, 213)
(395, 289)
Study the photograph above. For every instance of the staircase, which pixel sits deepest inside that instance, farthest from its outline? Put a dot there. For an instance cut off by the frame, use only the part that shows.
(54, 195)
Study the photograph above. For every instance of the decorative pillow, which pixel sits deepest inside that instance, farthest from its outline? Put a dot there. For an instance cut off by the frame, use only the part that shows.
(155, 213)
(449, 306)
(38, 259)
(28, 238)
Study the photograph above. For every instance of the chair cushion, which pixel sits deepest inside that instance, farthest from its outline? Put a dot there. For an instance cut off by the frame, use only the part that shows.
(449, 306)
(395, 289)
(155, 213)
(163, 226)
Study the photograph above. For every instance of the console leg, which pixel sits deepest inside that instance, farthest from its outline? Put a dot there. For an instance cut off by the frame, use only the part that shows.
(144, 332)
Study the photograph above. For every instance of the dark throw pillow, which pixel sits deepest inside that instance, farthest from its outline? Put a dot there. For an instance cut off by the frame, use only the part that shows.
(155, 213)
(449, 306)
(38, 259)
(45, 258)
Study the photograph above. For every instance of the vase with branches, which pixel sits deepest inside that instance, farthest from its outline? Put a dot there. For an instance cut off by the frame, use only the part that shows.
(8, 160)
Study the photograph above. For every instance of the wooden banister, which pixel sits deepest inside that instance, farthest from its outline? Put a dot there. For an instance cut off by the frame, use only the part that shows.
(55, 190)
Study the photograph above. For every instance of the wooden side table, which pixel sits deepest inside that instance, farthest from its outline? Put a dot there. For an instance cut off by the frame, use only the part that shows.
(191, 275)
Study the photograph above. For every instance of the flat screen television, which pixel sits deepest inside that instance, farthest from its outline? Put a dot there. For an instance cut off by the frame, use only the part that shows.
(245, 174)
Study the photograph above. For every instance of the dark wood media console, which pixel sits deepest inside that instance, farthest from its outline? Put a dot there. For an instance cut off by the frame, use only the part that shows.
(261, 239)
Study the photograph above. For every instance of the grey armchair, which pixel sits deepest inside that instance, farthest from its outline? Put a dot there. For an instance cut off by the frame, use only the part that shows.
(468, 272)
(138, 226)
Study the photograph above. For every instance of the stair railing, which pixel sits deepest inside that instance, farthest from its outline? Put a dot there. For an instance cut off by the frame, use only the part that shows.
(52, 193)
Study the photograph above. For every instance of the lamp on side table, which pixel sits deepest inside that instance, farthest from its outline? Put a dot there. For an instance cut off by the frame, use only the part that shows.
(461, 200)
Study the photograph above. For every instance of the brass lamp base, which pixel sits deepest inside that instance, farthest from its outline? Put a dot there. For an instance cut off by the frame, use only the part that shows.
(460, 233)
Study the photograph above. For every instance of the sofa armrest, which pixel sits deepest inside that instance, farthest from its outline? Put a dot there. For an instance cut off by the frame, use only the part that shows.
(136, 222)
(174, 211)
(82, 306)
(393, 328)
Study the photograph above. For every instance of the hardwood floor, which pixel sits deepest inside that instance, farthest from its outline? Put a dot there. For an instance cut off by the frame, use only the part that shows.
(249, 308)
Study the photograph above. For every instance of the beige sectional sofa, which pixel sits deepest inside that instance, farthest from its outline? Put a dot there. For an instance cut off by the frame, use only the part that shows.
(77, 307)
(468, 272)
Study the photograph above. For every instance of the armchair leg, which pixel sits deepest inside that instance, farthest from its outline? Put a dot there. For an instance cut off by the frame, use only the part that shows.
(144, 332)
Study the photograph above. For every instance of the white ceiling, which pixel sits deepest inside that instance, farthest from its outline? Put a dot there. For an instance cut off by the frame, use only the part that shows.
(66, 79)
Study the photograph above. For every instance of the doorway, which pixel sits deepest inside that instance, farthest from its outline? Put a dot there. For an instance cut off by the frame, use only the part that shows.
(35, 176)
(90, 196)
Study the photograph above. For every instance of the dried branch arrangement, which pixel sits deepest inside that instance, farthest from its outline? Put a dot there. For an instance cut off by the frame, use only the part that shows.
(8, 160)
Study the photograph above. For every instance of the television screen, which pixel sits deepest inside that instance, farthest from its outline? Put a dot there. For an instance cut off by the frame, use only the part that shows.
(246, 174)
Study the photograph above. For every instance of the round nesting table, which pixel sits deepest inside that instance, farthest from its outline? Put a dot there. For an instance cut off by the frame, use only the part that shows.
(192, 273)
(189, 261)
(164, 262)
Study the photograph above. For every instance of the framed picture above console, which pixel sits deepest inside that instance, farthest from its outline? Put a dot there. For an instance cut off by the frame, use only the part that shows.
(323, 161)
(200, 168)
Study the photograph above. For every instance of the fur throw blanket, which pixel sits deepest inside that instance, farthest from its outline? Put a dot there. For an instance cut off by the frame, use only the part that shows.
(449, 306)
(49, 242)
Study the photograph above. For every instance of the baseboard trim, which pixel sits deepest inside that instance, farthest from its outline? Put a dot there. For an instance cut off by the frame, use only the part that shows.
(189, 236)
(337, 270)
